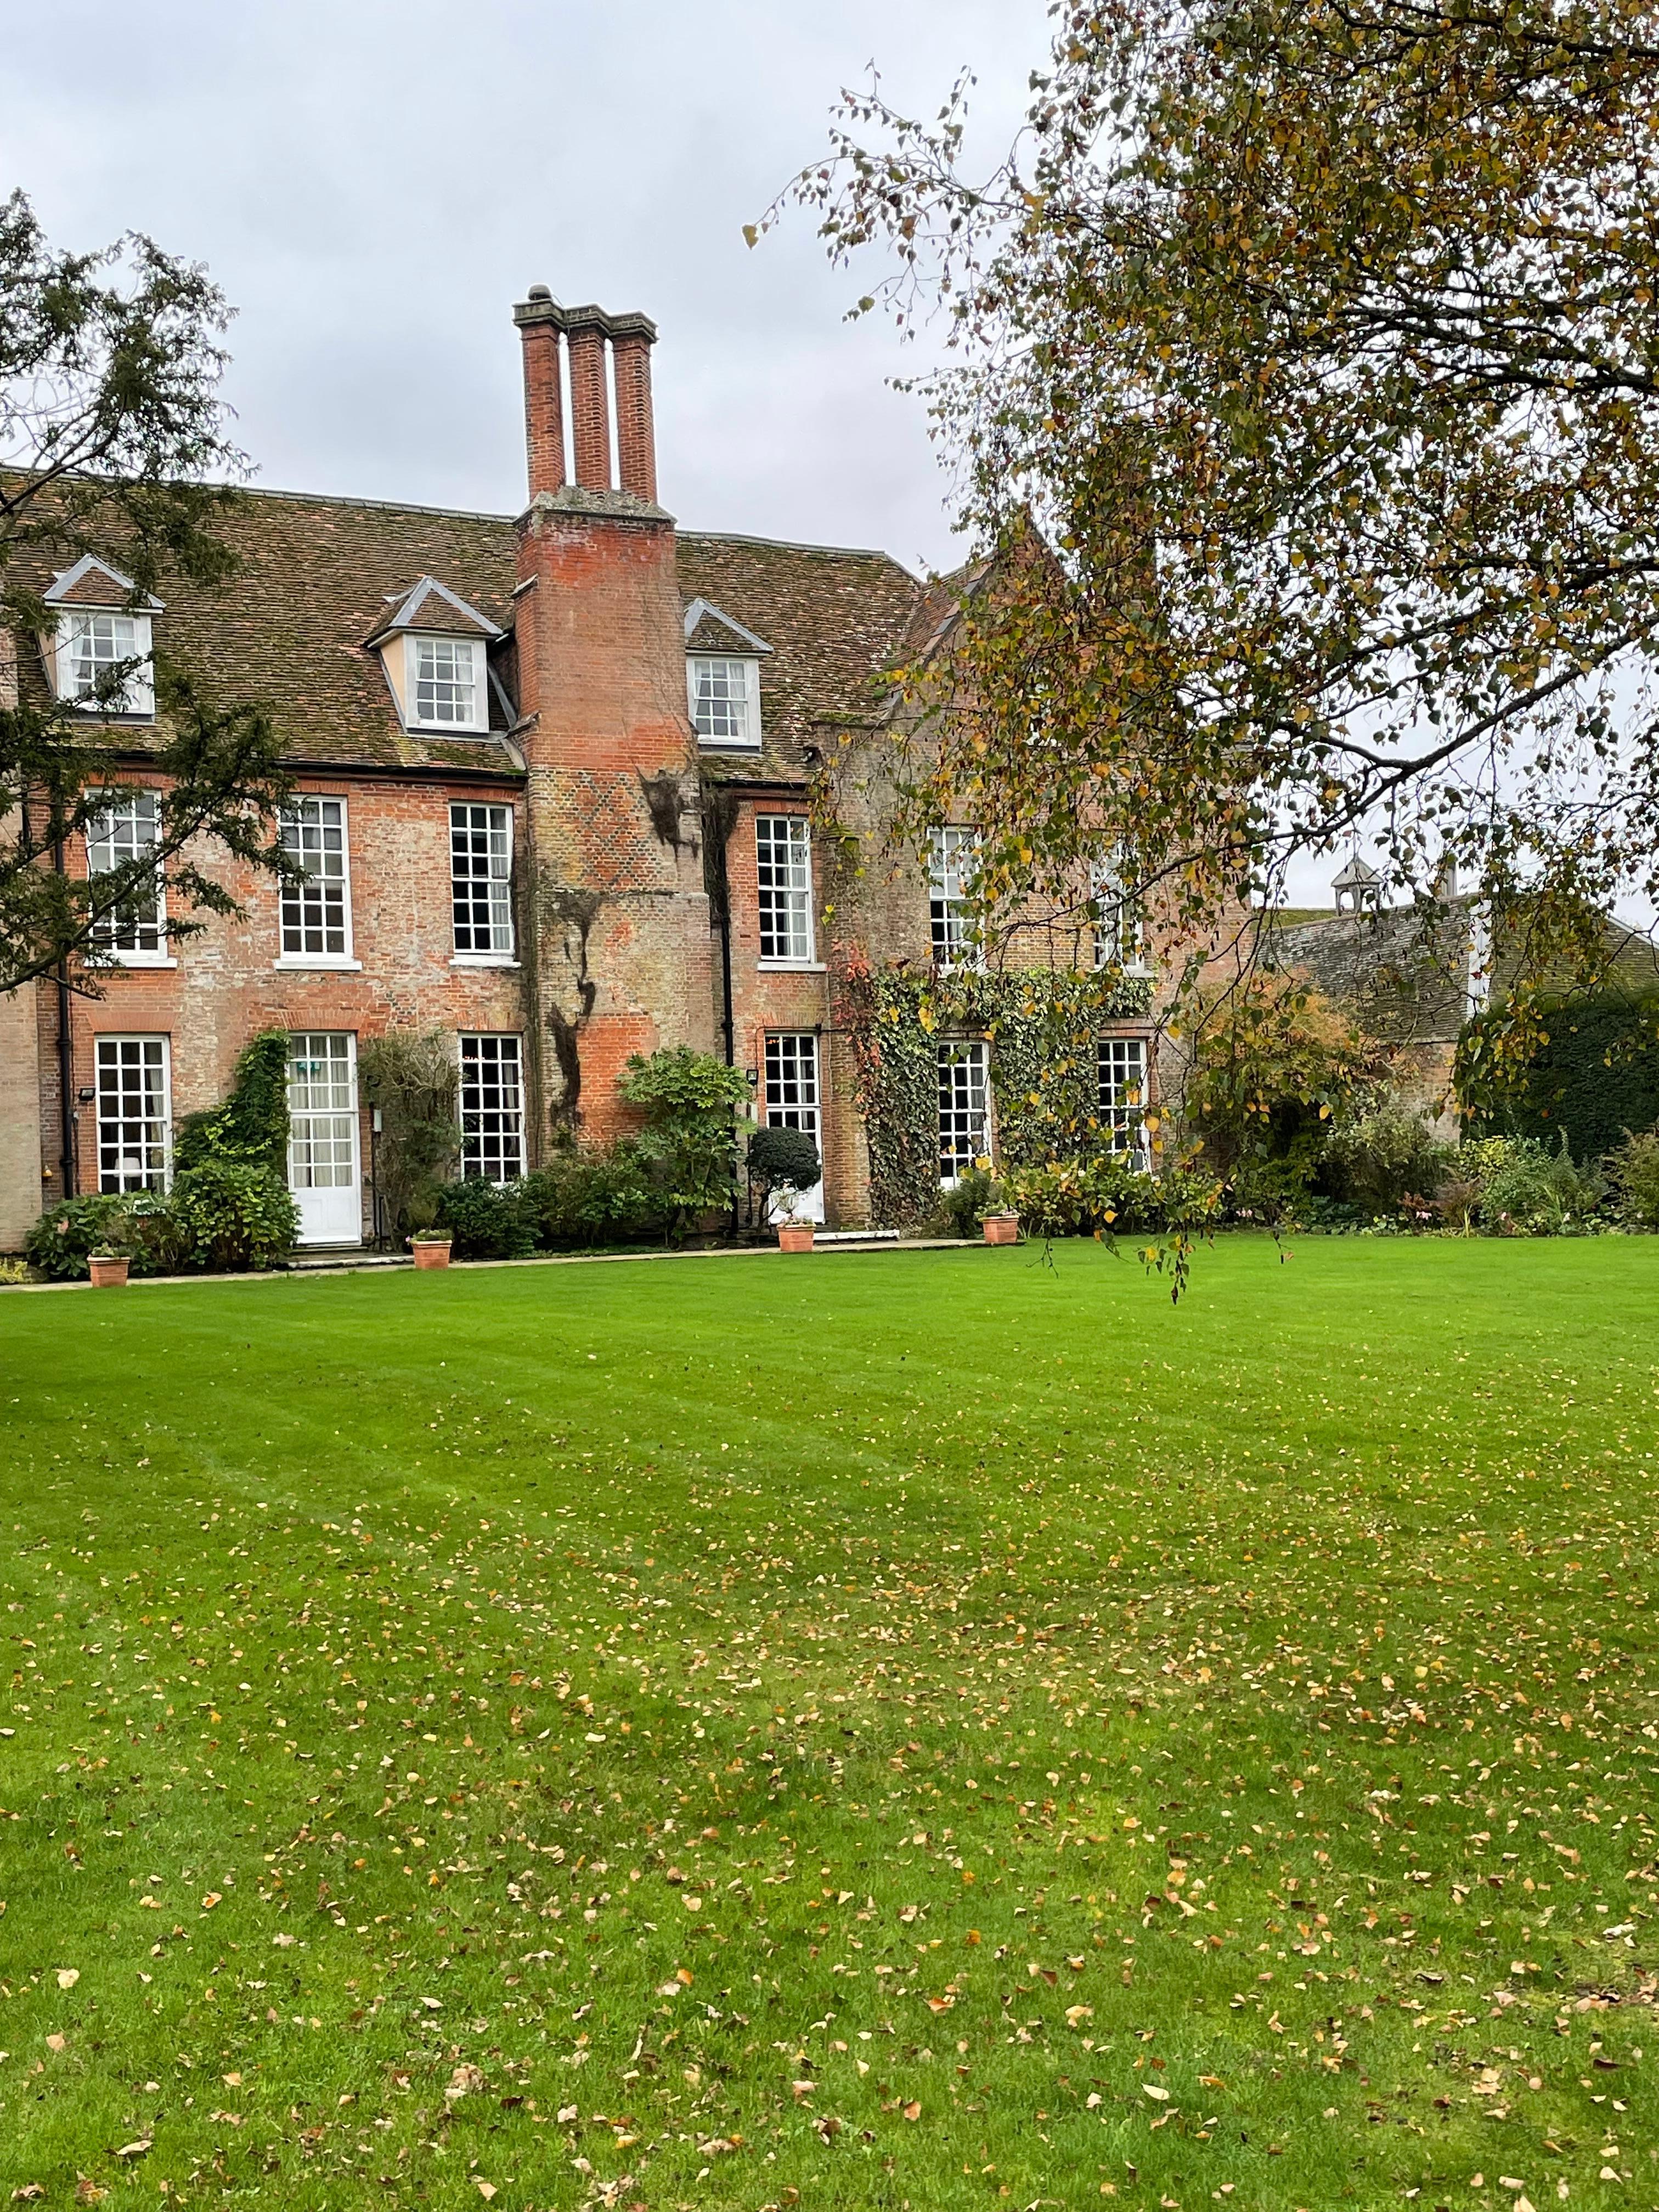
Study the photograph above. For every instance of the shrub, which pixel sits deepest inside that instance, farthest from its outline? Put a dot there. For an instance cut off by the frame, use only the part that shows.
(1633, 1171)
(1276, 1067)
(689, 1101)
(970, 1198)
(1534, 1193)
(592, 1197)
(784, 1163)
(61, 1240)
(251, 1124)
(414, 1080)
(1386, 1153)
(487, 1220)
(229, 1215)
(1094, 1194)
(15, 1270)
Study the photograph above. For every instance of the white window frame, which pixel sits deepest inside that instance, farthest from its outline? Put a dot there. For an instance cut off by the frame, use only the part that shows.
(1120, 926)
(964, 1129)
(1123, 1118)
(136, 701)
(415, 642)
(783, 849)
(509, 1136)
(953, 912)
(498, 831)
(292, 810)
(748, 739)
(802, 1110)
(107, 848)
(106, 1053)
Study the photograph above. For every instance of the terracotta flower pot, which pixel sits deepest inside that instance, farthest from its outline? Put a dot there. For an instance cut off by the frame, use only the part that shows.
(109, 1275)
(430, 1255)
(794, 1236)
(1002, 1228)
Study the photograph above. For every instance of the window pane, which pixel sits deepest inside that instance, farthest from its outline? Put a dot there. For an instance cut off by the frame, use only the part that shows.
(445, 681)
(1116, 920)
(314, 914)
(964, 1130)
(133, 1114)
(481, 877)
(783, 853)
(1122, 1066)
(322, 1105)
(792, 1083)
(98, 644)
(492, 1108)
(130, 828)
(720, 711)
(951, 867)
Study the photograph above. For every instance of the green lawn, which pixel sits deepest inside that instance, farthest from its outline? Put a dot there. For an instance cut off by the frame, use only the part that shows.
(903, 1731)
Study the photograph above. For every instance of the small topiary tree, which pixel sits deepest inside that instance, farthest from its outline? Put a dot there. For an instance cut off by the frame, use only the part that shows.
(784, 1163)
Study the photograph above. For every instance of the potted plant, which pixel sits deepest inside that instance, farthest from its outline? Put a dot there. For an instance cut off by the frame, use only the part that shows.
(1002, 1227)
(785, 1164)
(108, 1267)
(430, 1248)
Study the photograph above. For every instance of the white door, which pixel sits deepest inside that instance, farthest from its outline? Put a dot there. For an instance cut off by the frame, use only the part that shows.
(794, 1101)
(322, 1143)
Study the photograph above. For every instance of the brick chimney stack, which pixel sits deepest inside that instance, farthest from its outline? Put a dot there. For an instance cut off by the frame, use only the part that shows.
(588, 334)
(540, 321)
(611, 802)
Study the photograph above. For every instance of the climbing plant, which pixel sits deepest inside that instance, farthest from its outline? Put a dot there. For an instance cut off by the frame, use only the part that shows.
(1042, 1026)
(251, 1124)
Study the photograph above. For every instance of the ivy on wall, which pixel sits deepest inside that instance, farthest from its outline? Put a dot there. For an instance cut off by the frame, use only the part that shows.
(1041, 1025)
(1594, 1073)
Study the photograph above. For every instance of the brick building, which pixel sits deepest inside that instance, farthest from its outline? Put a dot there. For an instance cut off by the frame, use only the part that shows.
(559, 785)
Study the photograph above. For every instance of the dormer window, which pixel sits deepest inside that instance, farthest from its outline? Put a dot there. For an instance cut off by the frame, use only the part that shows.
(434, 649)
(723, 679)
(725, 698)
(447, 683)
(100, 657)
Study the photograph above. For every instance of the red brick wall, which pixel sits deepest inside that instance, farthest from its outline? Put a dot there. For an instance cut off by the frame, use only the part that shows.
(623, 946)
(226, 988)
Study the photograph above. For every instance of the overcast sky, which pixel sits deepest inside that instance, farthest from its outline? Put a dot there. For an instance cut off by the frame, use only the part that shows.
(373, 185)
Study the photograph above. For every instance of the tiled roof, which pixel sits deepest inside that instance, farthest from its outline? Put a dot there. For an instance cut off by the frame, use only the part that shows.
(318, 576)
(1403, 971)
(833, 619)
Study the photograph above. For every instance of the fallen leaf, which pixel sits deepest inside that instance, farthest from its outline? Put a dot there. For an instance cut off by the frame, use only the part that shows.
(282, 1940)
(1156, 2091)
(54, 2043)
(485, 2189)
(68, 1976)
(212, 1898)
(913, 2110)
(465, 2081)
(432, 2004)
(135, 2149)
